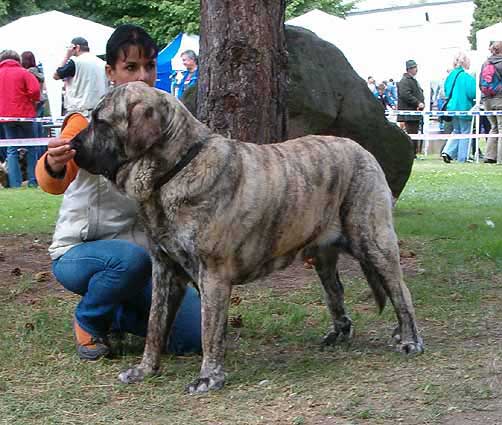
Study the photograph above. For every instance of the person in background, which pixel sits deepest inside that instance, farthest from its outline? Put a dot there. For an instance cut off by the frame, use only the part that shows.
(84, 75)
(20, 92)
(98, 249)
(389, 94)
(460, 88)
(410, 98)
(492, 100)
(445, 127)
(191, 75)
(392, 90)
(371, 84)
(3, 149)
(28, 62)
(383, 97)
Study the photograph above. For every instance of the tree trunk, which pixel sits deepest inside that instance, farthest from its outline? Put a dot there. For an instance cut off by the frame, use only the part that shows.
(243, 69)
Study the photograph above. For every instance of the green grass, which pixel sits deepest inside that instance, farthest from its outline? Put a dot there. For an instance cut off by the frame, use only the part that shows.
(27, 210)
(457, 208)
(277, 373)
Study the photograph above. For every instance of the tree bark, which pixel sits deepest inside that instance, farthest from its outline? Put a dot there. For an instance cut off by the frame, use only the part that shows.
(243, 69)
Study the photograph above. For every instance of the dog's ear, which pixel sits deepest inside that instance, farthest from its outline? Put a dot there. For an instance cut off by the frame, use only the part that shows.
(145, 125)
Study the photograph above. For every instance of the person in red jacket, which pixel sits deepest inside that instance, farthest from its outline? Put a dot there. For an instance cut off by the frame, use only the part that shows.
(19, 94)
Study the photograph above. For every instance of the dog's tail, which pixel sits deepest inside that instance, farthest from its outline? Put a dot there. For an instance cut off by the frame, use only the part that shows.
(377, 284)
(378, 293)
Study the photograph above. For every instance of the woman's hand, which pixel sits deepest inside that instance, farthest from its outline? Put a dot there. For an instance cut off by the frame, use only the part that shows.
(58, 154)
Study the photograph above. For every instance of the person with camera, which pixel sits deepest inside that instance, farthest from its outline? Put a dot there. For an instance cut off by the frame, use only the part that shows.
(84, 75)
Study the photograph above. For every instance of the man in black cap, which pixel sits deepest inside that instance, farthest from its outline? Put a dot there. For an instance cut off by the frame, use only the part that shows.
(410, 98)
(84, 75)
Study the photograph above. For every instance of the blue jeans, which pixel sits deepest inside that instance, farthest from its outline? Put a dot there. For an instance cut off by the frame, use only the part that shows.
(20, 130)
(3, 149)
(38, 131)
(114, 279)
(459, 148)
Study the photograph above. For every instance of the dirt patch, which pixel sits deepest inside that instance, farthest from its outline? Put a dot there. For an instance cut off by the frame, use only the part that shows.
(299, 275)
(24, 258)
(25, 268)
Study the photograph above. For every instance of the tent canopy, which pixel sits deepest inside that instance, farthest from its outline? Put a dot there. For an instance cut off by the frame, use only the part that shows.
(169, 59)
(351, 39)
(47, 35)
(486, 35)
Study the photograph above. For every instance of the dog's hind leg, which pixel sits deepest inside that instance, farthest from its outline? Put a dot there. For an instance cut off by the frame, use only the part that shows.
(168, 289)
(325, 262)
(215, 299)
(378, 254)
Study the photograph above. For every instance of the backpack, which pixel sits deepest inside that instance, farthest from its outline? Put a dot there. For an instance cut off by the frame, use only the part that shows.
(490, 81)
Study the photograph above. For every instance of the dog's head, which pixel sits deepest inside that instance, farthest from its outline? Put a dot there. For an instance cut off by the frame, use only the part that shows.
(130, 121)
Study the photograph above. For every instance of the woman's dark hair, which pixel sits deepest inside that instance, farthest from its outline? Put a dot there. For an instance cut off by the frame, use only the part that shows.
(28, 60)
(128, 35)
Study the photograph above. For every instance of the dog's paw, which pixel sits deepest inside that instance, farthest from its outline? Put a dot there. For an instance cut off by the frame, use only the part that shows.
(134, 374)
(396, 334)
(203, 385)
(411, 348)
(341, 331)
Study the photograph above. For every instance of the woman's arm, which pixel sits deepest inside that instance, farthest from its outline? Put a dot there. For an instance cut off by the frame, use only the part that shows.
(56, 169)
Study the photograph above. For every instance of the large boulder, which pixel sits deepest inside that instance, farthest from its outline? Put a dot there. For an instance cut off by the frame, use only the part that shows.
(326, 96)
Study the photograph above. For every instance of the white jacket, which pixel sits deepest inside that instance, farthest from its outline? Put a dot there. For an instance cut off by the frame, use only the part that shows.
(93, 209)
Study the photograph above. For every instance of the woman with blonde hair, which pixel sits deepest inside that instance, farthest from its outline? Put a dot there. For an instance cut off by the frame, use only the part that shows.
(460, 91)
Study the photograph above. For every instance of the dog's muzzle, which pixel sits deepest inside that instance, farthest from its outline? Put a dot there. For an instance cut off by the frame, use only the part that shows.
(95, 161)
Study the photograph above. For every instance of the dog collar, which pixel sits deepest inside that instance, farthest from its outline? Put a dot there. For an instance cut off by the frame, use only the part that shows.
(182, 163)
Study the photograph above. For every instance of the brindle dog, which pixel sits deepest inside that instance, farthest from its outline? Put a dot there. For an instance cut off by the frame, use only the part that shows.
(221, 212)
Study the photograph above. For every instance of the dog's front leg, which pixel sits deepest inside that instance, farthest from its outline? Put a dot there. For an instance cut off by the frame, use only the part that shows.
(168, 290)
(215, 299)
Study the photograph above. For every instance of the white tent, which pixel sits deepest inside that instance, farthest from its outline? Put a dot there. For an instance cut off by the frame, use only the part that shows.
(486, 35)
(381, 54)
(350, 40)
(47, 35)
(169, 59)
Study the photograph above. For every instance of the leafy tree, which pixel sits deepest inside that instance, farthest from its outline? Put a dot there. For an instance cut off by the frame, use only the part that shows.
(163, 19)
(335, 7)
(11, 10)
(487, 12)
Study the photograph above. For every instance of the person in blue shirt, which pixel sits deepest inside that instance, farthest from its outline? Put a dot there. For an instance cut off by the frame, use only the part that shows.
(460, 88)
(191, 75)
(391, 90)
(383, 97)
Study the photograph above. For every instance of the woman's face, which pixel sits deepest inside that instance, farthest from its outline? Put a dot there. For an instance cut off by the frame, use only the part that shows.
(188, 62)
(133, 67)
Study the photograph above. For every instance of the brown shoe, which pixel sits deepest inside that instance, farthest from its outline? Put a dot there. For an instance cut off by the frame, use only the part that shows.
(89, 347)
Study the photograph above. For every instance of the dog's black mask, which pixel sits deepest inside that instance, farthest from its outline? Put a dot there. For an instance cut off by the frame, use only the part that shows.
(97, 157)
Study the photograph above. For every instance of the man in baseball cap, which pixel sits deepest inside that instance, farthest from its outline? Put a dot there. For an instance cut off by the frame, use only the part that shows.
(84, 75)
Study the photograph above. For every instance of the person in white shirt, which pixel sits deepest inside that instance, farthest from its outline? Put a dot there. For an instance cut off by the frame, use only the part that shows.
(84, 75)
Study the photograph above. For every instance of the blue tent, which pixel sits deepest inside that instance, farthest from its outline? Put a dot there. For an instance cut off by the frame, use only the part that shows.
(169, 61)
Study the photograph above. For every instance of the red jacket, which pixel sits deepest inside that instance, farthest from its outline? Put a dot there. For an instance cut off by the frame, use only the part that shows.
(19, 90)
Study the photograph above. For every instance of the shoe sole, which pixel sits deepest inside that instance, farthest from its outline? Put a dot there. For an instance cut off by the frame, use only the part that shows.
(92, 354)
